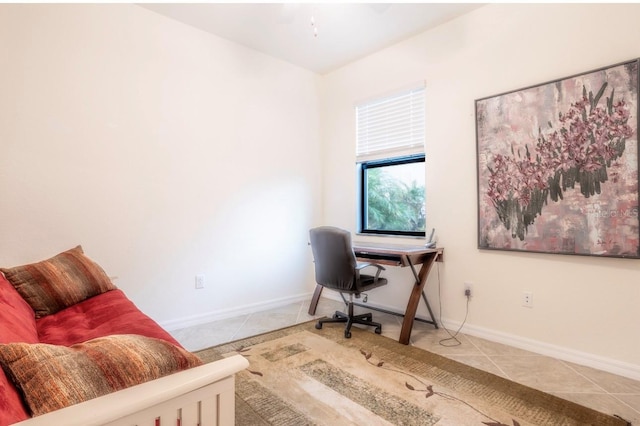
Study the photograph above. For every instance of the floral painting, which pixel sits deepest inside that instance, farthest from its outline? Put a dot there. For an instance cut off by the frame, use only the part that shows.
(558, 166)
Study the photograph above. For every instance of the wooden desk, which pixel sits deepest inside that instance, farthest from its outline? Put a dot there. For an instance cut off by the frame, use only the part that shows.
(403, 256)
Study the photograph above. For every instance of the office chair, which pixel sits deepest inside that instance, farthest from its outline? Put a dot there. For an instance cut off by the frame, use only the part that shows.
(337, 269)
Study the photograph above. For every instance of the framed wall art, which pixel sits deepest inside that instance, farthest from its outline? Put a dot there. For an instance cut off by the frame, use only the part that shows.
(558, 166)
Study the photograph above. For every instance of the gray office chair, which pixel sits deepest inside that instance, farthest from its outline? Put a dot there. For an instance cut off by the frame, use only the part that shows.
(337, 269)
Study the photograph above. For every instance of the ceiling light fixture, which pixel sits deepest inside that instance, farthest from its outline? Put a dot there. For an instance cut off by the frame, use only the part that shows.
(313, 25)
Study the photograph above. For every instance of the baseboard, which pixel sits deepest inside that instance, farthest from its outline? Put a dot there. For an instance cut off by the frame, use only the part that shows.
(620, 368)
(208, 317)
(613, 366)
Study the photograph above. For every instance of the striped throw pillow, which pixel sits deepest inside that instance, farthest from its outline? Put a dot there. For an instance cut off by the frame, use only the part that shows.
(54, 284)
(52, 377)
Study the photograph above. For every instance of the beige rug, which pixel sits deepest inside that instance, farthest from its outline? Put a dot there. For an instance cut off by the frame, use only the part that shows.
(303, 376)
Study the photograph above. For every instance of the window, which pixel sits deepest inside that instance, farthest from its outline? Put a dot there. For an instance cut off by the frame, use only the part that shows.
(392, 196)
(391, 165)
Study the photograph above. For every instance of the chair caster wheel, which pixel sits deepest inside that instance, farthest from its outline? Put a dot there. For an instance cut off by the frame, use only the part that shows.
(378, 330)
(347, 334)
(318, 326)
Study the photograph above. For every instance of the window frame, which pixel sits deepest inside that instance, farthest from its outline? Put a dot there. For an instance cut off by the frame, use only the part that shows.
(363, 166)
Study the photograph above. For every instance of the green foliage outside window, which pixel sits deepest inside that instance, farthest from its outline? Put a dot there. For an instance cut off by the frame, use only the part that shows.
(394, 203)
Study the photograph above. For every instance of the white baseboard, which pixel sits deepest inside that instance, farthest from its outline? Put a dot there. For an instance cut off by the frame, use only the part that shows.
(208, 317)
(613, 366)
(620, 368)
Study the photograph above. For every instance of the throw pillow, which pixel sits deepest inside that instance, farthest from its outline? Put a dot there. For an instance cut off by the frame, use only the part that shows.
(52, 377)
(54, 284)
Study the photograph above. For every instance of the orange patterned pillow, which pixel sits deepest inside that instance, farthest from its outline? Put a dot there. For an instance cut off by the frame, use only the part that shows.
(52, 377)
(54, 284)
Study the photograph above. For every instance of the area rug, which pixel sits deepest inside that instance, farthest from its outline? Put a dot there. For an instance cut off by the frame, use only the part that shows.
(303, 376)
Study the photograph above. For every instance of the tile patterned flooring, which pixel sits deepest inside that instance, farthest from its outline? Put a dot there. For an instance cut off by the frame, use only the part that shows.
(593, 388)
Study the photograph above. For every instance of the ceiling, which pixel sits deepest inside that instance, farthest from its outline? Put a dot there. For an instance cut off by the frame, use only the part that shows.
(318, 37)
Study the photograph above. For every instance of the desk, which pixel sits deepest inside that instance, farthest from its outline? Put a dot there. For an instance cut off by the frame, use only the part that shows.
(403, 256)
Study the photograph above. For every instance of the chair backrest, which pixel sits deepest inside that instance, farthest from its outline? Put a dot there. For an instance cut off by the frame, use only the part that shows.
(335, 262)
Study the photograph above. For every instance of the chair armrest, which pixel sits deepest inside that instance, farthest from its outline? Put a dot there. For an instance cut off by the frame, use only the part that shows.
(362, 265)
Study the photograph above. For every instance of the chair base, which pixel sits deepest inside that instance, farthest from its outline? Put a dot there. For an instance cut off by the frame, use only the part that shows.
(350, 319)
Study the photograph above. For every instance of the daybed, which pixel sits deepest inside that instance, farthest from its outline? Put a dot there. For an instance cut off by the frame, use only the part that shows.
(70, 338)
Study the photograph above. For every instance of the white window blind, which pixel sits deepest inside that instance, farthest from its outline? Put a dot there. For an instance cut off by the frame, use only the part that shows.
(391, 123)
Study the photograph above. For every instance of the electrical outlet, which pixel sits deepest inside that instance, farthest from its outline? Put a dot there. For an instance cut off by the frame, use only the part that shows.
(527, 299)
(468, 289)
(200, 281)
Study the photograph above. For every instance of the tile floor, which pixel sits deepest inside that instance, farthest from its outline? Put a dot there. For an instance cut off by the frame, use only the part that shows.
(597, 389)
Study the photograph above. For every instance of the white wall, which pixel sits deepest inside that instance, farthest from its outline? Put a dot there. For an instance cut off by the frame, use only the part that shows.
(584, 307)
(165, 151)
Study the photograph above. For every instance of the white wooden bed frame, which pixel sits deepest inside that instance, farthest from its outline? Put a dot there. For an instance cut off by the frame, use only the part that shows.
(200, 396)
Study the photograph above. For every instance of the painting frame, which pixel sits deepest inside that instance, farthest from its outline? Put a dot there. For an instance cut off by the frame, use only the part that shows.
(558, 165)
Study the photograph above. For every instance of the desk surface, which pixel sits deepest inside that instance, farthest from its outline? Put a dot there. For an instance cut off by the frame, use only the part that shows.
(363, 247)
(395, 254)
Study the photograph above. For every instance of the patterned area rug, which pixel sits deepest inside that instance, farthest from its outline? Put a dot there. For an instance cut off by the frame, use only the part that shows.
(303, 376)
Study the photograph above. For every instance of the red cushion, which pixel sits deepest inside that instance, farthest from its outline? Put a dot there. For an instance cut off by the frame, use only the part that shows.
(17, 324)
(102, 315)
(16, 312)
(12, 409)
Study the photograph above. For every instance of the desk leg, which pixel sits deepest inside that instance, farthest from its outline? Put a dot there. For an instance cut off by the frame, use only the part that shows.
(314, 299)
(433, 318)
(414, 299)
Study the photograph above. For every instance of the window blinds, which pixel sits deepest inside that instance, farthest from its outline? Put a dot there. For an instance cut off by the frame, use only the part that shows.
(394, 122)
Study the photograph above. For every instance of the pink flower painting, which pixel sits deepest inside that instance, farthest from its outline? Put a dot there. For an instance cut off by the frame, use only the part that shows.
(558, 166)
